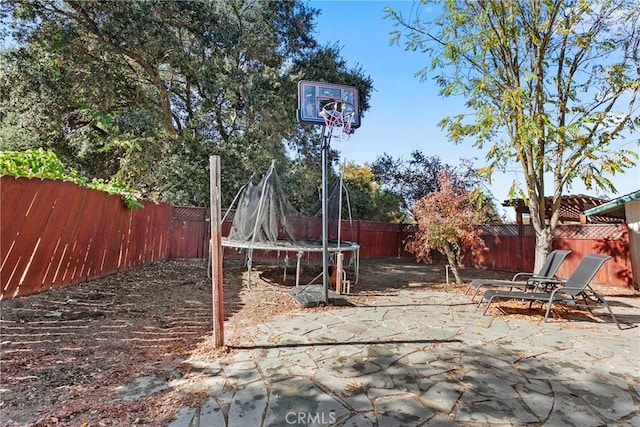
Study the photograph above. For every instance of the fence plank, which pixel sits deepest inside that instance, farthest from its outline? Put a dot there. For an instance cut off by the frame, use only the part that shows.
(36, 208)
(62, 217)
(12, 220)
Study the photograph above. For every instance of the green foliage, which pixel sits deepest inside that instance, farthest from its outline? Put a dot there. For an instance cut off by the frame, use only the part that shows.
(41, 163)
(32, 164)
(368, 201)
(145, 92)
(550, 87)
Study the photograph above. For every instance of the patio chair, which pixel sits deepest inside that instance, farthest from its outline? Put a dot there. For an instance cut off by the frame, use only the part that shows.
(524, 280)
(576, 287)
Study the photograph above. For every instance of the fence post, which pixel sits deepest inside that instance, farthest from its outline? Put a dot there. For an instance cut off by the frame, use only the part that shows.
(216, 253)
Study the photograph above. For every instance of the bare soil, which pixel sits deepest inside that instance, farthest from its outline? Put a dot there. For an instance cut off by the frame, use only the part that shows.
(65, 352)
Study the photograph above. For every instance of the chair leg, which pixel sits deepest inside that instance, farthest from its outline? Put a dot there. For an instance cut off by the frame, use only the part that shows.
(546, 315)
(604, 302)
(612, 316)
(488, 304)
(475, 293)
(480, 302)
(550, 303)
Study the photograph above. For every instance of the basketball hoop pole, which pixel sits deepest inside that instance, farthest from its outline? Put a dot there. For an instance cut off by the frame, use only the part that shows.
(326, 142)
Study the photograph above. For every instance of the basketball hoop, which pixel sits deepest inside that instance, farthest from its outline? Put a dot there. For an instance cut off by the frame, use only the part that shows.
(338, 114)
(335, 107)
(332, 105)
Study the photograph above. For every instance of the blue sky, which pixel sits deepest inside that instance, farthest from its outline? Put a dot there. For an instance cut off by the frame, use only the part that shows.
(405, 110)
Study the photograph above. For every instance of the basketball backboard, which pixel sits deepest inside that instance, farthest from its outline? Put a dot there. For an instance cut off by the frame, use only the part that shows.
(312, 96)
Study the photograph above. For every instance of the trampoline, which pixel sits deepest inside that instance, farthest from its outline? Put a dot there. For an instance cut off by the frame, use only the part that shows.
(262, 221)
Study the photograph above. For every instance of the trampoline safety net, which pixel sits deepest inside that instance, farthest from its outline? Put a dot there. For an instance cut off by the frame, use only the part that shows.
(263, 213)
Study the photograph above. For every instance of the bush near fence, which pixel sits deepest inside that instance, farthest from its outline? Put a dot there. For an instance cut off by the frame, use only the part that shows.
(55, 234)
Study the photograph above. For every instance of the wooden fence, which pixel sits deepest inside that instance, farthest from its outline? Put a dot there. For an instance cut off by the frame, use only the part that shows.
(56, 234)
(190, 232)
(509, 247)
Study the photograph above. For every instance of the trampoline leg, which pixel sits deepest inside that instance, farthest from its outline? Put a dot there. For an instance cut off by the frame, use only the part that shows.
(249, 262)
(298, 268)
(339, 273)
(286, 264)
(357, 265)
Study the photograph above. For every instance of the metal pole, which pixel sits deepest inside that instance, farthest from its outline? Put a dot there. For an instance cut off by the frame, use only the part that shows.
(326, 140)
(340, 206)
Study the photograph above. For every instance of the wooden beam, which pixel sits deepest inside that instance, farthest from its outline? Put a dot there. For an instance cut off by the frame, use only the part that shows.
(216, 252)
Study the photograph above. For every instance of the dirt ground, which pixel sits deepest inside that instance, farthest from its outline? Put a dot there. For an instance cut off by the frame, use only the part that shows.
(65, 352)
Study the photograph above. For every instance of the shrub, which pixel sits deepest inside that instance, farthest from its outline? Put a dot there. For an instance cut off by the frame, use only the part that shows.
(40, 163)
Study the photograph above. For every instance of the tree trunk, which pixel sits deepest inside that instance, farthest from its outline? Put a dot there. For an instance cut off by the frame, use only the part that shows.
(544, 242)
(453, 263)
(544, 231)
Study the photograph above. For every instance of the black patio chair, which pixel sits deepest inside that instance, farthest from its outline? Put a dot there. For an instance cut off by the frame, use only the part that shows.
(576, 287)
(524, 280)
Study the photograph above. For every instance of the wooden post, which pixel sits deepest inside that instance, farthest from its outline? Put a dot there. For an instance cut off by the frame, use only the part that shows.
(216, 252)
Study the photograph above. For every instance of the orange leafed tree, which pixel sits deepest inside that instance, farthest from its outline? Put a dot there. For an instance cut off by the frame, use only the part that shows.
(445, 222)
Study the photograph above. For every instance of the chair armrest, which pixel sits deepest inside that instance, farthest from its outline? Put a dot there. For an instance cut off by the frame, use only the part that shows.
(551, 280)
(521, 276)
(546, 283)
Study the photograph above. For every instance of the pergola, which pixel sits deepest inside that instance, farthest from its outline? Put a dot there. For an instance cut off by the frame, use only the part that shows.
(571, 209)
(593, 210)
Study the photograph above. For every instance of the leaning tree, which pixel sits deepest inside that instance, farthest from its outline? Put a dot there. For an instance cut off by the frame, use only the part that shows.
(551, 85)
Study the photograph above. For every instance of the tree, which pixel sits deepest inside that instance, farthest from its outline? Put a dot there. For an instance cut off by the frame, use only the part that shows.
(445, 222)
(412, 179)
(552, 83)
(138, 88)
(368, 201)
(148, 90)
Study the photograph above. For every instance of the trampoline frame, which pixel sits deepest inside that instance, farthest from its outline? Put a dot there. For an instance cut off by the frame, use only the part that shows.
(299, 247)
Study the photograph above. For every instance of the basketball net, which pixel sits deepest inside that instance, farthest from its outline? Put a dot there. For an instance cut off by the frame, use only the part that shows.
(335, 117)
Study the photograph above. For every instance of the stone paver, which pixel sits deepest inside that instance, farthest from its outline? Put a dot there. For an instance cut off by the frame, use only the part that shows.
(422, 359)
